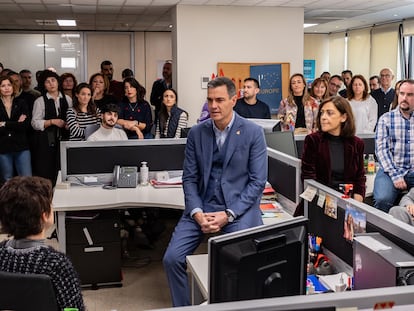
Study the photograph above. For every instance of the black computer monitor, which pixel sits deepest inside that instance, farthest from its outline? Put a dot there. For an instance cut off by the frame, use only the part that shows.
(283, 142)
(261, 262)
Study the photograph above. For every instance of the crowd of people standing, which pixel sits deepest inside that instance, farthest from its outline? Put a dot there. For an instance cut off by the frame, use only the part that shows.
(33, 121)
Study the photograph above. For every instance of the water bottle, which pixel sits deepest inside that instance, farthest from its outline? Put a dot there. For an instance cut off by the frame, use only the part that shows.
(143, 174)
(371, 164)
(365, 162)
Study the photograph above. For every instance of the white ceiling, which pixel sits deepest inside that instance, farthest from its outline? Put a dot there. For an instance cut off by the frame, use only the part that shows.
(155, 15)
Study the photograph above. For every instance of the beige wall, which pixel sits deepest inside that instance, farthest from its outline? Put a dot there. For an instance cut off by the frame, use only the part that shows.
(115, 47)
(147, 49)
(316, 46)
(368, 50)
(206, 35)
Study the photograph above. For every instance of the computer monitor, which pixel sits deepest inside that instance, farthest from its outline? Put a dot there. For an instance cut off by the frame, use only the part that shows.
(261, 262)
(268, 125)
(283, 142)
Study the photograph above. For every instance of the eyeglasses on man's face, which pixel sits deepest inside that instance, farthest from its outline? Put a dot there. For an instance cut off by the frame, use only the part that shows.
(335, 85)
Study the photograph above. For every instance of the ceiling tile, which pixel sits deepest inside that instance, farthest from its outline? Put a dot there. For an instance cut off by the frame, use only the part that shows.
(33, 7)
(84, 9)
(348, 14)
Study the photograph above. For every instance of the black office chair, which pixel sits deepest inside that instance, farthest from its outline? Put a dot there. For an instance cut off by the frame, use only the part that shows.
(184, 132)
(26, 292)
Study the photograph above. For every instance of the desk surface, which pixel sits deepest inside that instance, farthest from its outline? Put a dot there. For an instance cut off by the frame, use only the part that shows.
(78, 198)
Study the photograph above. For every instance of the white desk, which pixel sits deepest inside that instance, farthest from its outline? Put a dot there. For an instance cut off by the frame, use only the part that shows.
(81, 198)
(78, 198)
(197, 266)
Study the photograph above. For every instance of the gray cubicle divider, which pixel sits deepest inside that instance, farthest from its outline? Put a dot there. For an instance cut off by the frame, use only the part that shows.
(369, 143)
(365, 299)
(332, 230)
(84, 158)
(284, 174)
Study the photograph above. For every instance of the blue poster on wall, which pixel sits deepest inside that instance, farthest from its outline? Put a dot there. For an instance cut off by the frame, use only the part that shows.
(309, 70)
(270, 80)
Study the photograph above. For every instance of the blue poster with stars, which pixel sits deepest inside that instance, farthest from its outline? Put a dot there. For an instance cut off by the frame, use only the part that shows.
(270, 80)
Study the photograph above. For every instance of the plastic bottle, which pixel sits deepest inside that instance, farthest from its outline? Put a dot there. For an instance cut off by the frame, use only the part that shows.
(371, 164)
(365, 162)
(143, 174)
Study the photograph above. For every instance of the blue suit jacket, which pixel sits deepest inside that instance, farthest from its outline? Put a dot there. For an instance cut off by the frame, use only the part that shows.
(244, 169)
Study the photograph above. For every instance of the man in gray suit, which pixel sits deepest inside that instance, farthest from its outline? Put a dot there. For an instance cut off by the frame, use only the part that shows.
(225, 171)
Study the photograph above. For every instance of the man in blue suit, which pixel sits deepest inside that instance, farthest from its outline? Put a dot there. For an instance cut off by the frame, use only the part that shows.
(225, 171)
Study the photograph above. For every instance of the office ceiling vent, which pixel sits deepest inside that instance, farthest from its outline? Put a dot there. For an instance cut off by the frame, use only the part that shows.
(46, 22)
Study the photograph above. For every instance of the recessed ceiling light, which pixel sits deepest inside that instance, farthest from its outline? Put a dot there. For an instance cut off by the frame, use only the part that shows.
(170, 26)
(308, 25)
(66, 22)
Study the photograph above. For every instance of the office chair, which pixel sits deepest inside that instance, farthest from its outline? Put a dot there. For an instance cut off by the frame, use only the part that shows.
(26, 292)
(184, 132)
(90, 129)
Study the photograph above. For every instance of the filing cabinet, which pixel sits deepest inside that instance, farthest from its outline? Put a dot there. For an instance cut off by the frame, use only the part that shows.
(94, 247)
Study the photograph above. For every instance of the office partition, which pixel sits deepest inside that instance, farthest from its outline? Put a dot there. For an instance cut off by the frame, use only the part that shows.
(84, 158)
(332, 229)
(284, 174)
(369, 143)
(360, 299)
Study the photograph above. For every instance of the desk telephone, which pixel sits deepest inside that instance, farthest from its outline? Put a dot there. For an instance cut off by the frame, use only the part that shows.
(125, 177)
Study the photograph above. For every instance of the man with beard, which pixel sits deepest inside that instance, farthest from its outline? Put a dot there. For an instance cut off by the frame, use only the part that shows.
(395, 132)
(108, 131)
(249, 106)
(115, 87)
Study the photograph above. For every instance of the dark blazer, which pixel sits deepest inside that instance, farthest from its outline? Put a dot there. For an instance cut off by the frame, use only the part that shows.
(244, 169)
(316, 161)
(13, 136)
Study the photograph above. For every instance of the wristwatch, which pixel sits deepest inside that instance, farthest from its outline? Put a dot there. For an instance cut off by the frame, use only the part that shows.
(230, 217)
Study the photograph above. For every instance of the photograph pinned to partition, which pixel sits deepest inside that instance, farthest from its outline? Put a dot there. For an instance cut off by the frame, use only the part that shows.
(331, 206)
(355, 222)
